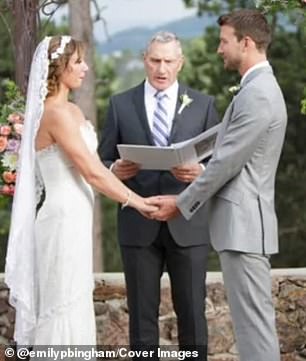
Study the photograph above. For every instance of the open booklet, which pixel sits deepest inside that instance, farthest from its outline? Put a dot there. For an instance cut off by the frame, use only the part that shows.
(164, 158)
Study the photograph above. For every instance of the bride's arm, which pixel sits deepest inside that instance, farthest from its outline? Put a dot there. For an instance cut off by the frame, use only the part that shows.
(65, 130)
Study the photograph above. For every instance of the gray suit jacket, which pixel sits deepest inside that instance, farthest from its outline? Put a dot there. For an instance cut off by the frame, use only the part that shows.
(239, 179)
(126, 122)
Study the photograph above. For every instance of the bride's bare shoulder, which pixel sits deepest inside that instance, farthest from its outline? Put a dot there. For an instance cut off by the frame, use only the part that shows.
(55, 114)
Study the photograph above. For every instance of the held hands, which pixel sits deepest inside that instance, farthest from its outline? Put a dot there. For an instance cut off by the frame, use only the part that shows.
(124, 169)
(187, 173)
(166, 207)
(161, 208)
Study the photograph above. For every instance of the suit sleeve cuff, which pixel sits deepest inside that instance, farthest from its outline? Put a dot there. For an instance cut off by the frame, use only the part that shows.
(187, 204)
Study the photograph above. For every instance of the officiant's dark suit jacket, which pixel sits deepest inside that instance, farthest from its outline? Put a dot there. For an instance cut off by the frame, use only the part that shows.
(127, 123)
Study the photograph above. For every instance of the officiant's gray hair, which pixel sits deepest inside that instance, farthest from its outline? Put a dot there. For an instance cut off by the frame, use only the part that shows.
(164, 37)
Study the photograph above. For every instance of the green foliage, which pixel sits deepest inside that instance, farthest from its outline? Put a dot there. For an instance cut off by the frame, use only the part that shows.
(280, 5)
(303, 102)
(218, 7)
(5, 209)
(288, 53)
(130, 70)
(203, 69)
(106, 85)
(111, 252)
(11, 100)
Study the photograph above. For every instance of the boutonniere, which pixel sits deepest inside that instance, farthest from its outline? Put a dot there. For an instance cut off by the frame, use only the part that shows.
(234, 90)
(186, 101)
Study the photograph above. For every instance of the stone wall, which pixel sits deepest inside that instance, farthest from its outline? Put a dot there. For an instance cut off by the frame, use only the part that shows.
(289, 290)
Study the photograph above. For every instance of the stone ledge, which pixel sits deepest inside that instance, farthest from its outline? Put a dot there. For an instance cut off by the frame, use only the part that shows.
(289, 291)
(117, 278)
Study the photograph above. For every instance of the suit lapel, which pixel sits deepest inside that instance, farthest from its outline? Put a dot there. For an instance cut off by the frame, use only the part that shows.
(178, 118)
(140, 108)
(228, 114)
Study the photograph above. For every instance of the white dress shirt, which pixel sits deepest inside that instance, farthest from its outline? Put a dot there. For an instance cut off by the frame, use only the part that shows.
(170, 102)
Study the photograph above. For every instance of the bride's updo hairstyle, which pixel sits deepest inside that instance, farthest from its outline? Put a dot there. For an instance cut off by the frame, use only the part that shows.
(61, 48)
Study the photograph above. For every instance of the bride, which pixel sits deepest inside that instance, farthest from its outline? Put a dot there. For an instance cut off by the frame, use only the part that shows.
(49, 257)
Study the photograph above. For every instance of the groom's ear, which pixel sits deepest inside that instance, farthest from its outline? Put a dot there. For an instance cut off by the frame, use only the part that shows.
(249, 43)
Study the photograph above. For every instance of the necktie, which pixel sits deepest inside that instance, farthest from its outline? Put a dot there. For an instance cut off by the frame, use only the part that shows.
(160, 131)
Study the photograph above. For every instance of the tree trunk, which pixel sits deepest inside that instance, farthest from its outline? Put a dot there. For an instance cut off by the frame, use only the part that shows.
(25, 36)
(81, 28)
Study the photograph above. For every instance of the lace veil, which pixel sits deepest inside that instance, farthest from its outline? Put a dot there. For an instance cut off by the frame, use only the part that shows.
(20, 271)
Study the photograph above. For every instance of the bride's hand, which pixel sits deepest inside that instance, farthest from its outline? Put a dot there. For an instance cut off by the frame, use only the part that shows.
(146, 209)
(139, 203)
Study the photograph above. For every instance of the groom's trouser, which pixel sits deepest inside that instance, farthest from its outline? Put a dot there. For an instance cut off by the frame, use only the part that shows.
(143, 268)
(247, 282)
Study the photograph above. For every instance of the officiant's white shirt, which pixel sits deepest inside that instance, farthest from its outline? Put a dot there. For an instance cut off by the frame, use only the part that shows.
(169, 101)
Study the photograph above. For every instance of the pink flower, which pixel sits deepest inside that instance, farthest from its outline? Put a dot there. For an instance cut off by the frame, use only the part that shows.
(5, 130)
(18, 128)
(6, 189)
(15, 118)
(12, 189)
(3, 143)
(9, 177)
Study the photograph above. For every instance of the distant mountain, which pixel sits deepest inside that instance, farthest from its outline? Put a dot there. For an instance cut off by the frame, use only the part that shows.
(135, 39)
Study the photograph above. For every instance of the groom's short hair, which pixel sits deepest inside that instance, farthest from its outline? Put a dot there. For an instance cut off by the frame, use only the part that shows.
(249, 22)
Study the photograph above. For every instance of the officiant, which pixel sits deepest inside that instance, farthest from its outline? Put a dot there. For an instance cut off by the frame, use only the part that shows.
(161, 111)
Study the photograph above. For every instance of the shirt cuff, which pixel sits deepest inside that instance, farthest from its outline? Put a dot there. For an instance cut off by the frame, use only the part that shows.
(112, 166)
(201, 164)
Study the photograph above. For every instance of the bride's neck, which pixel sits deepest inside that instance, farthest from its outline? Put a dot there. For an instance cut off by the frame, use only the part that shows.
(60, 97)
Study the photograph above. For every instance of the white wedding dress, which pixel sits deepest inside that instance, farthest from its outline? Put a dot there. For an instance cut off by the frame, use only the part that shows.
(63, 236)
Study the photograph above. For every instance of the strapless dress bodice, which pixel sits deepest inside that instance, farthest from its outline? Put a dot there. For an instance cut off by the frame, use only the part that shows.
(57, 171)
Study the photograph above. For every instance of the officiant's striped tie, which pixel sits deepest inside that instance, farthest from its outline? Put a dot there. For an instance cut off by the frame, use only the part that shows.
(160, 131)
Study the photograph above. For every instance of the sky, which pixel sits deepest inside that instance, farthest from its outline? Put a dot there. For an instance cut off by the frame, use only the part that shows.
(124, 14)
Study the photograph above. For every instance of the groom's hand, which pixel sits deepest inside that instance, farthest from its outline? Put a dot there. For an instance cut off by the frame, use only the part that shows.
(124, 169)
(167, 207)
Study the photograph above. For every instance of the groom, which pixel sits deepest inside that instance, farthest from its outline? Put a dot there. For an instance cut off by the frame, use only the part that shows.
(239, 182)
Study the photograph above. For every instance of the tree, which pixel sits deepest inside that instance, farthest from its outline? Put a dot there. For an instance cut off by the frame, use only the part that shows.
(24, 37)
(6, 42)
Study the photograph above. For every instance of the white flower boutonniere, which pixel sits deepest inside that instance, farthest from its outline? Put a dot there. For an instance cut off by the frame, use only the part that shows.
(186, 101)
(234, 90)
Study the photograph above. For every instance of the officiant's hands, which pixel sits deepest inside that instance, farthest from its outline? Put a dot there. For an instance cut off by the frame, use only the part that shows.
(187, 173)
(166, 207)
(124, 169)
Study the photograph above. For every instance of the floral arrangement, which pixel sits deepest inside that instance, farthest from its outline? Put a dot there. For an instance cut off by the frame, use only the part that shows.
(11, 123)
